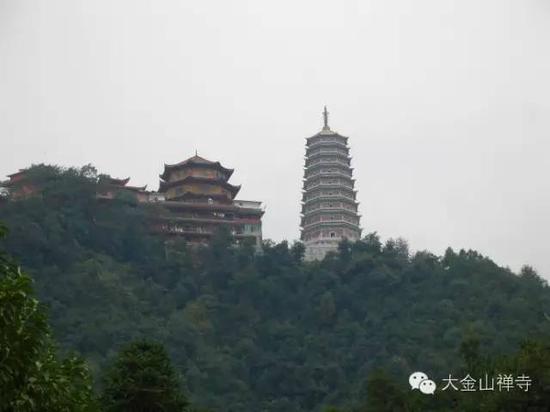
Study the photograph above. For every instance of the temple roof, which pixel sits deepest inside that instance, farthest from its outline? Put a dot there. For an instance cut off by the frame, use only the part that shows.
(198, 179)
(174, 204)
(195, 161)
(121, 183)
(136, 188)
(21, 171)
(114, 181)
(327, 133)
(15, 178)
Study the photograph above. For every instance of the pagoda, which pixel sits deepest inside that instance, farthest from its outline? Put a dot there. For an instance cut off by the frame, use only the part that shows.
(200, 199)
(329, 205)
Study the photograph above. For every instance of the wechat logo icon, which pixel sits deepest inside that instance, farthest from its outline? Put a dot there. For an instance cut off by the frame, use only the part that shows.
(420, 381)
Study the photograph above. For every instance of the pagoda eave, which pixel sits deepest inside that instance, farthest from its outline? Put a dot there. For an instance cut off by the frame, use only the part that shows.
(196, 179)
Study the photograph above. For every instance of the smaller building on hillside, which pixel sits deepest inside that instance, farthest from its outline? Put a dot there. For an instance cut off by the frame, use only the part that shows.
(200, 199)
(19, 186)
(111, 187)
(32, 181)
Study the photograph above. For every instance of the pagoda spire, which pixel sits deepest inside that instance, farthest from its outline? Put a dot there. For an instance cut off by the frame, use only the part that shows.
(325, 118)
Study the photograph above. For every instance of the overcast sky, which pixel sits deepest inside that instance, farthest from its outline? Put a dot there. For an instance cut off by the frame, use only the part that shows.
(446, 103)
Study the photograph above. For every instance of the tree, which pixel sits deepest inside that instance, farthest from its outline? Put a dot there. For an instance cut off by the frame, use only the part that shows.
(32, 378)
(384, 394)
(298, 251)
(327, 308)
(344, 251)
(142, 379)
(267, 331)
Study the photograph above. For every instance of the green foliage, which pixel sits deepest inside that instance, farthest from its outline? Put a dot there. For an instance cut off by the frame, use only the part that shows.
(384, 394)
(32, 377)
(532, 360)
(265, 332)
(142, 380)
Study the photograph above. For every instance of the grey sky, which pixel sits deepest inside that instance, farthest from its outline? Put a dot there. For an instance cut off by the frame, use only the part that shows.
(446, 103)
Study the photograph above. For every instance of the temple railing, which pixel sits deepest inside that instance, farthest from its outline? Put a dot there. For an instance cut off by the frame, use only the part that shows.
(327, 161)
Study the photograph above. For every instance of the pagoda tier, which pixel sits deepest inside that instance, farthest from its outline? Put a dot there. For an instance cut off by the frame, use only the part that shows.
(197, 178)
(329, 206)
(199, 186)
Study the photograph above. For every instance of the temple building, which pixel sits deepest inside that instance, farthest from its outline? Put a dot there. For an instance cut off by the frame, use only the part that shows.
(329, 205)
(27, 183)
(200, 199)
(194, 199)
(19, 186)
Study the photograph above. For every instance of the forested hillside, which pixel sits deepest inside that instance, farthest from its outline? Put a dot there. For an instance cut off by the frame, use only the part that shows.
(261, 332)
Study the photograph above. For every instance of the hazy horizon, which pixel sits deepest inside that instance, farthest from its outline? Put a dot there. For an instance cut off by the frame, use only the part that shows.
(446, 105)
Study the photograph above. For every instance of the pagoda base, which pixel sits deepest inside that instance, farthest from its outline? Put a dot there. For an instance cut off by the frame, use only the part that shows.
(317, 249)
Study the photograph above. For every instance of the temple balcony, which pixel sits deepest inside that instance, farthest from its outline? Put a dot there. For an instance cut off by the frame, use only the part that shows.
(323, 161)
(331, 223)
(329, 215)
(328, 185)
(229, 220)
(324, 216)
(348, 208)
(175, 229)
(248, 204)
(321, 173)
(239, 207)
(348, 198)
